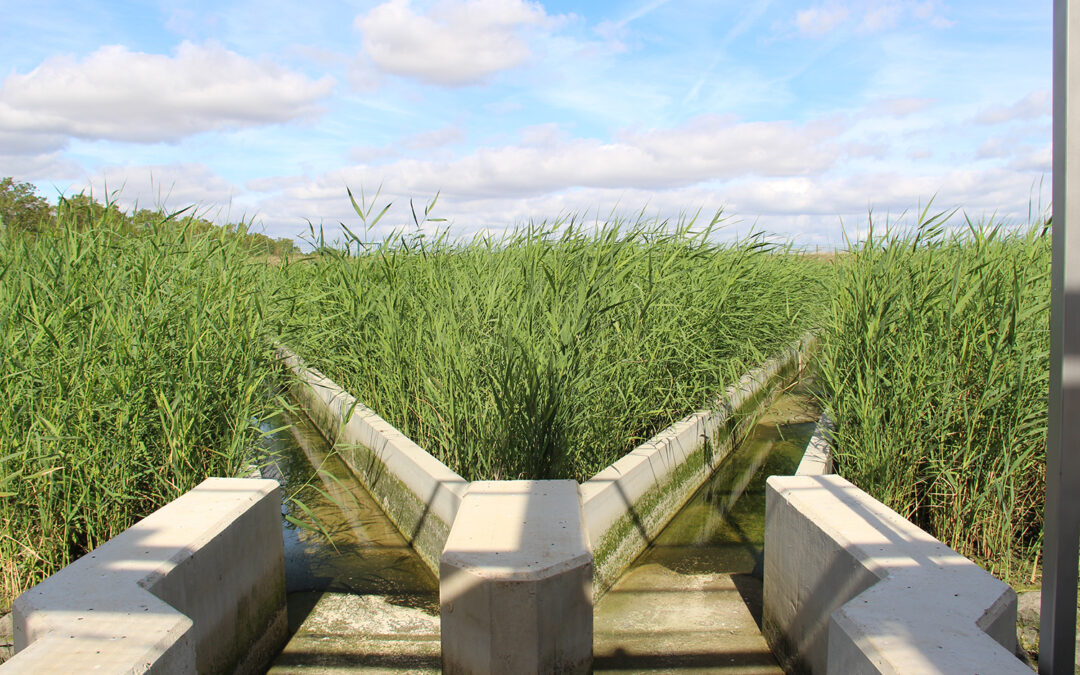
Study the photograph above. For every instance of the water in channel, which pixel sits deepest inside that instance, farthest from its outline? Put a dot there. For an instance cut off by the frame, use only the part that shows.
(359, 597)
(691, 602)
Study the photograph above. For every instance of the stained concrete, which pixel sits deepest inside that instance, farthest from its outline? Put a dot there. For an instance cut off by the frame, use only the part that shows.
(691, 603)
(362, 599)
(658, 620)
(688, 607)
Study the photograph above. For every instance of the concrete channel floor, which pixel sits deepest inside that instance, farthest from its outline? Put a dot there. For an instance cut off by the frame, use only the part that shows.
(345, 633)
(655, 620)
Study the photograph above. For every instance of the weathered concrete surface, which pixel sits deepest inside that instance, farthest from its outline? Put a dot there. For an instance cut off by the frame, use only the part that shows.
(197, 585)
(361, 599)
(7, 638)
(629, 502)
(817, 460)
(852, 587)
(658, 620)
(346, 633)
(515, 587)
(420, 494)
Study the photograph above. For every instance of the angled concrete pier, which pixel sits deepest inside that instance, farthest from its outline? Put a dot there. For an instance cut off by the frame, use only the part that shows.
(515, 585)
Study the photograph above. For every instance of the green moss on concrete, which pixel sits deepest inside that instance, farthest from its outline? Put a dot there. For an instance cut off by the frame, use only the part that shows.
(410, 513)
(624, 540)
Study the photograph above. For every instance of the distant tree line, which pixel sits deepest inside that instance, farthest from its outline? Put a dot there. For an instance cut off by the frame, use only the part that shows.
(23, 209)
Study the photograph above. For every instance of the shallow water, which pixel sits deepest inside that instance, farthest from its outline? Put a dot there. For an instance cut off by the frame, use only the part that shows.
(354, 548)
(722, 527)
(691, 603)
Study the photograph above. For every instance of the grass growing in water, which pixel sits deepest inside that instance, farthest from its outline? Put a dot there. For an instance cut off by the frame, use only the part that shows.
(936, 355)
(132, 362)
(550, 351)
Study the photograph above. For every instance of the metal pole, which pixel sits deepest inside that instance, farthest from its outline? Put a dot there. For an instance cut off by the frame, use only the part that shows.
(1058, 618)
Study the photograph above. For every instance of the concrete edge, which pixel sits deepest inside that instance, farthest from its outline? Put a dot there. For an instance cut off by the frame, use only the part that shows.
(628, 503)
(817, 460)
(419, 494)
(198, 585)
(853, 587)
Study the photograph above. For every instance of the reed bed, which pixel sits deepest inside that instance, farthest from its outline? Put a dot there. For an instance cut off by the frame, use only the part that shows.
(551, 351)
(935, 356)
(132, 364)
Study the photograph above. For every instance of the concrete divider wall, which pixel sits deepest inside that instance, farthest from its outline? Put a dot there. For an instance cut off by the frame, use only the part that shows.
(853, 587)
(420, 494)
(515, 588)
(817, 459)
(197, 586)
(627, 504)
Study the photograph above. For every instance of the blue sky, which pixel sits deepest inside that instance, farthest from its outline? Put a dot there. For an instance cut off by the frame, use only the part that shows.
(797, 118)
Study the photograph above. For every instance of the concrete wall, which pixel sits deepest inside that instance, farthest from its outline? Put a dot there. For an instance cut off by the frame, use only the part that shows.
(515, 588)
(629, 503)
(198, 585)
(817, 459)
(852, 587)
(420, 494)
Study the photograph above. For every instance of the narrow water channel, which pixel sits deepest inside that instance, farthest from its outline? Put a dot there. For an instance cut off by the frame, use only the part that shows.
(358, 595)
(691, 602)
(722, 527)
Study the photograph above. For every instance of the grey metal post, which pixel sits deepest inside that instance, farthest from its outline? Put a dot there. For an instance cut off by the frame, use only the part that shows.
(1058, 620)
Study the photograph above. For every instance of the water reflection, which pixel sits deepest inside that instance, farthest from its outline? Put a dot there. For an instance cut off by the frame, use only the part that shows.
(354, 548)
(722, 527)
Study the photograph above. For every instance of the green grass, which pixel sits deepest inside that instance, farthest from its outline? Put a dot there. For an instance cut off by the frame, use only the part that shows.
(550, 351)
(132, 363)
(936, 358)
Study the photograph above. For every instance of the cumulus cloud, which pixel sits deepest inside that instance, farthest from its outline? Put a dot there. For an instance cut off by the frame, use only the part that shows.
(705, 148)
(117, 94)
(459, 42)
(1034, 105)
(45, 166)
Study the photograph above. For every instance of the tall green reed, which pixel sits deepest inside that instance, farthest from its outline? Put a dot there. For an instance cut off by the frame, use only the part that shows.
(552, 350)
(132, 363)
(935, 356)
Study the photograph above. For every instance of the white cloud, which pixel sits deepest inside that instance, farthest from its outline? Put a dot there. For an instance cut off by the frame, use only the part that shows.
(117, 94)
(706, 148)
(1033, 106)
(38, 167)
(459, 42)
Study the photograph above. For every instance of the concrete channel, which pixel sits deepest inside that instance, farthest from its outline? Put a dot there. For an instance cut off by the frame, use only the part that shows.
(360, 597)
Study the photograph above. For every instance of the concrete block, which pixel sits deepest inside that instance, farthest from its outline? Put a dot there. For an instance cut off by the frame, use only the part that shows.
(516, 581)
(852, 587)
(420, 494)
(198, 585)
